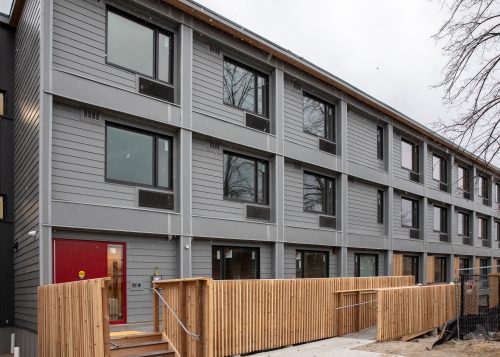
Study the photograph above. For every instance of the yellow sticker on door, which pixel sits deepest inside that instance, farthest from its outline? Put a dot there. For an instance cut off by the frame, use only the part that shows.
(81, 274)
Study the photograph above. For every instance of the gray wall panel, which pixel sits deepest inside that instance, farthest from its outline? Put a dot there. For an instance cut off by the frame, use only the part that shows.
(294, 199)
(362, 209)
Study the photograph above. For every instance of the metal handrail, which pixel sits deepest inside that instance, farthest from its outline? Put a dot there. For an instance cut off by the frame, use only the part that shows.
(175, 315)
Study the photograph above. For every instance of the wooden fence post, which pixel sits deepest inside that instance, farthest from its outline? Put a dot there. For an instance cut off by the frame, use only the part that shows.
(156, 310)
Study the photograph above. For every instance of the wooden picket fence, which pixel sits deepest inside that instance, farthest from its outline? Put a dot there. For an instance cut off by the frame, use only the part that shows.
(73, 319)
(412, 310)
(241, 316)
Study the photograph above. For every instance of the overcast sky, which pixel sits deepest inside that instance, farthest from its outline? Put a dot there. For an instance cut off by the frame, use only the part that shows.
(383, 47)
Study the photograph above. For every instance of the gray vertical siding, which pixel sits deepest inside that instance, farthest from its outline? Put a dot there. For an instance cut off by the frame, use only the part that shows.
(79, 43)
(362, 140)
(350, 261)
(202, 256)
(362, 209)
(290, 250)
(26, 163)
(143, 255)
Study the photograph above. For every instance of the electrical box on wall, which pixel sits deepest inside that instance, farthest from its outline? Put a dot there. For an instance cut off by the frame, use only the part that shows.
(135, 285)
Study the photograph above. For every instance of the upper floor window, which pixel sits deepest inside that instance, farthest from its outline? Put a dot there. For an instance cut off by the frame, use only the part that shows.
(463, 179)
(380, 206)
(463, 224)
(438, 168)
(380, 142)
(311, 264)
(138, 157)
(246, 178)
(235, 263)
(482, 186)
(482, 228)
(319, 194)
(319, 117)
(139, 47)
(245, 88)
(409, 155)
(365, 265)
(497, 224)
(440, 219)
(409, 213)
(2, 103)
(497, 185)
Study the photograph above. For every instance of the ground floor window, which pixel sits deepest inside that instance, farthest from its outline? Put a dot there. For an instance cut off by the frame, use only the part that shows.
(365, 264)
(410, 266)
(311, 264)
(439, 269)
(235, 263)
(483, 263)
(464, 265)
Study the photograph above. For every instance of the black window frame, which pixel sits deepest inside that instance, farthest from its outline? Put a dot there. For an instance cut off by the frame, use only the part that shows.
(357, 263)
(480, 221)
(497, 224)
(443, 268)
(380, 206)
(333, 207)
(156, 31)
(380, 142)
(443, 219)
(443, 168)
(415, 213)
(483, 191)
(466, 179)
(415, 263)
(466, 223)
(156, 137)
(497, 187)
(222, 260)
(330, 129)
(302, 253)
(256, 188)
(257, 73)
(415, 153)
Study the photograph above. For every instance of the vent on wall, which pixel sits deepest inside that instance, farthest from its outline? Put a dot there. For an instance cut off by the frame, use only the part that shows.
(486, 201)
(443, 187)
(90, 115)
(414, 233)
(467, 240)
(443, 237)
(414, 176)
(486, 243)
(214, 49)
(155, 199)
(298, 167)
(259, 212)
(327, 222)
(156, 90)
(328, 146)
(256, 122)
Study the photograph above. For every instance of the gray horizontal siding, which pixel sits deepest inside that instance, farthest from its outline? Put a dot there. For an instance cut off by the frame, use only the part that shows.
(289, 259)
(79, 43)
(294, 117)
(207, 187)
(207, 85)
(350, 260)
(202, 256)
(143, 255)
(362, 209)
(362, 140)
(26, 164)
(78, 161)
(294, 199)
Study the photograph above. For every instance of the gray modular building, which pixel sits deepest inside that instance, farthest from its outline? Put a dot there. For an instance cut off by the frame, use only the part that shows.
(159, 139)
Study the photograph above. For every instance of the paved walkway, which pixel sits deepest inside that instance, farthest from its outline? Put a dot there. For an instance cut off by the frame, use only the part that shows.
(337, 346)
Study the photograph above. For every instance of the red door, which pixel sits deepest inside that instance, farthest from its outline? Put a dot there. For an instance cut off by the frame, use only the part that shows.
(82, 259)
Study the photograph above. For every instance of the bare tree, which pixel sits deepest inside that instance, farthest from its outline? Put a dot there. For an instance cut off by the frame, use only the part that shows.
(472, 38)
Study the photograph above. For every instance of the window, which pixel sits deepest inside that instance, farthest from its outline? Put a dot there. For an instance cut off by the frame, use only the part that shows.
(235, 263)
(438, 168)
(138, 157)
(409, 213)
(245, 88)
(319, 117)
(440, 219)
(483, 264)
(497, 185)
(463, 179)
(139, 47)
(380, 142)
(311, 264)
(482, 228)
(246, 178)
(410, 266)
(2, 208)
(319, 194)
(440, 269)
(365, 265)
(482, 186)
(463, 224)
(497, 224)
(464, 264)
(409, 155)
(2, 103)
(380, 206)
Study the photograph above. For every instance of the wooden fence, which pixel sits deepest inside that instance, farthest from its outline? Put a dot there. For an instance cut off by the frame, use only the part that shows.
(242, 316)
(73, 319)
(411, 310)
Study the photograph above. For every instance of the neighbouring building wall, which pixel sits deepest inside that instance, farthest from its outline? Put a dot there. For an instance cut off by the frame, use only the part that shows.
(26, 168)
